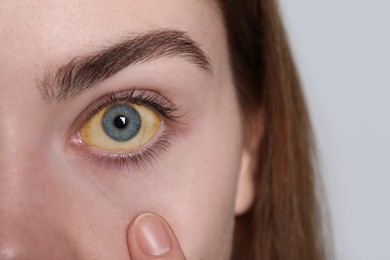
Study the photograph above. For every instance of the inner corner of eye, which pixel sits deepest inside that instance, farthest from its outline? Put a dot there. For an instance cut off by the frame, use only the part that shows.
(121, 127)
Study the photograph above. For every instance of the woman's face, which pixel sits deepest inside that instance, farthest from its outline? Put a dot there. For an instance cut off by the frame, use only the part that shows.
(79, 160)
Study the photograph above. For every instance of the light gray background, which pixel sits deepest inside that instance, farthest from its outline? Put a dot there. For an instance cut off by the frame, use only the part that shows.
(342, 48)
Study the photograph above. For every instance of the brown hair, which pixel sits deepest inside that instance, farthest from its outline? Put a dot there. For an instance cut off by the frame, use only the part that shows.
(284, 221)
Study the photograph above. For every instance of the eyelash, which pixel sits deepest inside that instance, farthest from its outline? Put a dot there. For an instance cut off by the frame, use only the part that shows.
(141, 158)
(145, 98)
(147, 155)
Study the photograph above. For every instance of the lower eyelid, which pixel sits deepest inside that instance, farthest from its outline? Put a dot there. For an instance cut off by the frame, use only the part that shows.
(124, 160)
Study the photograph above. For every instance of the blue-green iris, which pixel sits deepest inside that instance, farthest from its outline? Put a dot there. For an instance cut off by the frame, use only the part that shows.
(121, 122)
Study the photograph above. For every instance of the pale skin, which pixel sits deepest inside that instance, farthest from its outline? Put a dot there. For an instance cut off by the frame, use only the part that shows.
(56, 201)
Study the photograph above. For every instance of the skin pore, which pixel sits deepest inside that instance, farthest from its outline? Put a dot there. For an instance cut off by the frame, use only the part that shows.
(58, 196)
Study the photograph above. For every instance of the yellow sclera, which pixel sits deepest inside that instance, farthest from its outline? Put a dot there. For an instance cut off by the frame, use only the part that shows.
(93, 134)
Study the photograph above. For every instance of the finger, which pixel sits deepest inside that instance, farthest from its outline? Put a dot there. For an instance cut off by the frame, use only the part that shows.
(150, 237)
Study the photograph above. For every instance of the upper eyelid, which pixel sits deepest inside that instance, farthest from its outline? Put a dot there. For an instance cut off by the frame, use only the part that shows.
(135, 95)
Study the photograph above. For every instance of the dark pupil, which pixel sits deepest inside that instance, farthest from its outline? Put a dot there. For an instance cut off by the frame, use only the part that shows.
(120, 122)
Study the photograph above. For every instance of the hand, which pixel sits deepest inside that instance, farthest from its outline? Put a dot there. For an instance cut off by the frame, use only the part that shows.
(149, 237)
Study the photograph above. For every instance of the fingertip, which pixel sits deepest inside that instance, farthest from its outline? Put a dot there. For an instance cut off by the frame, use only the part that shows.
(150, 237)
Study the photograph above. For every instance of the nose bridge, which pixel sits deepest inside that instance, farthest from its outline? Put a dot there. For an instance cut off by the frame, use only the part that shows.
(20, 120)
(21, 175)
(20, 154)
(30, 226)
(20, 203)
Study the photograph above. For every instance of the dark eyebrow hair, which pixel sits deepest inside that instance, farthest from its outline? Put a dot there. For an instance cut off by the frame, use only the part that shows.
(84, 72)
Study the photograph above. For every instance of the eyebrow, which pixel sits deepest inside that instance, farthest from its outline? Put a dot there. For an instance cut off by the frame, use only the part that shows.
(84, 72)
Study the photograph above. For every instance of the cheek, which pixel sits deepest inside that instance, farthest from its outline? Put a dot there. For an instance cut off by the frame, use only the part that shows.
(206, 166)
(205, 214)
(54, 211)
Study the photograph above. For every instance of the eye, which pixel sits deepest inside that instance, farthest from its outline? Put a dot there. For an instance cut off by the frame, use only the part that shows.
(128, 128)
(121, 127)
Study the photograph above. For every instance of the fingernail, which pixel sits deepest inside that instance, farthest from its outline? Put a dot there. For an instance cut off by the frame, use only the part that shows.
(152, 235)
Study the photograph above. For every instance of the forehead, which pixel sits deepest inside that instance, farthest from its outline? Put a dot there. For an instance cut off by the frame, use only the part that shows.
(54, 30)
